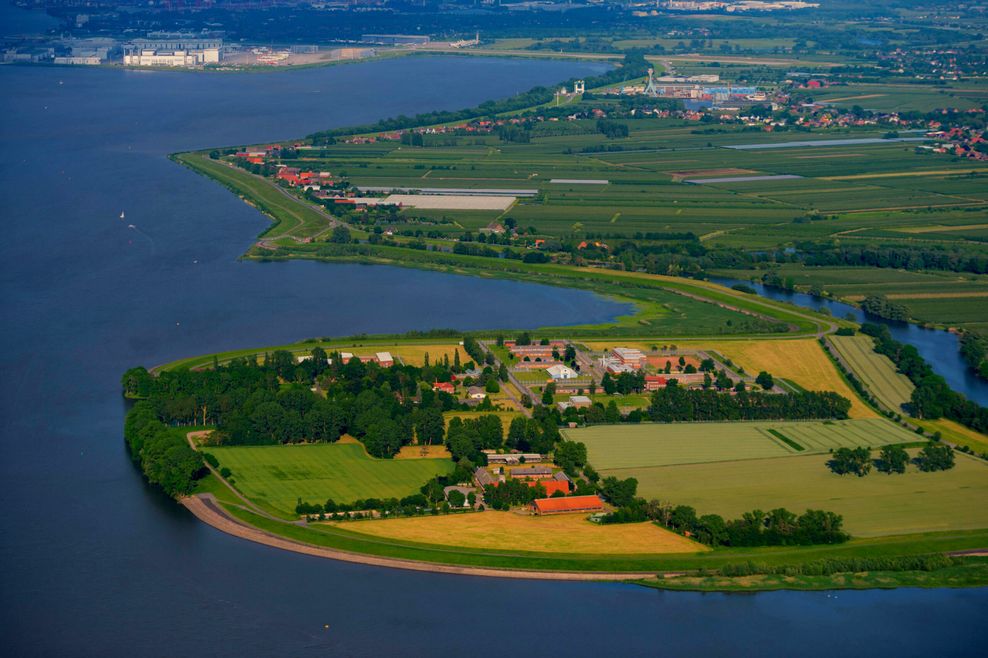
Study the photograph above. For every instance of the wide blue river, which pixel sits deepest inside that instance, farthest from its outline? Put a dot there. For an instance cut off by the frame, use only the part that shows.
(92, 562)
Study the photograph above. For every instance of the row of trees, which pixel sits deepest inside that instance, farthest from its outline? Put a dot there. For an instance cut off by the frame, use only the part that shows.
(892, 459)
(677, 403)
(779, 527)
(932, 398)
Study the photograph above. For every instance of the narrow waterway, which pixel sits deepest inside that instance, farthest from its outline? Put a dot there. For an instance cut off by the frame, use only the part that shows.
(940, 348)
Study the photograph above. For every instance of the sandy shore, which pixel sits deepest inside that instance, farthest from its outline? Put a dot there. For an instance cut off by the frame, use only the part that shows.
(208, 510)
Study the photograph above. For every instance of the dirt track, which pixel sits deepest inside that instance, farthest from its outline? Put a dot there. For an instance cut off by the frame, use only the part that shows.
(207, 509)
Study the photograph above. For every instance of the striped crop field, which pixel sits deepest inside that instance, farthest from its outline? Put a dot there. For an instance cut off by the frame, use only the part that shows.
(629, 447)
(872, 506)
(876, 371)
(275, 477)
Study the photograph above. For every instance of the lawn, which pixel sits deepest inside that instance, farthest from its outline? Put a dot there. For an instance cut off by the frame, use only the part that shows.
(564, 533)
(275, 477)
(876, 371)
(874, 505)
(631, 447)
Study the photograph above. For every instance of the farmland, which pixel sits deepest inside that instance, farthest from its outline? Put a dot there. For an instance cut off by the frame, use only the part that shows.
(801, 361)
(891, 388)
(630, 447)
(275, 477)
(546, 534)
(874, 505)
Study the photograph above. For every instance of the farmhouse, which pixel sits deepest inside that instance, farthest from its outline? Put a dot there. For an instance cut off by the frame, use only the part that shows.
(476, 393)
(483, 477)
(445, 387)
(512, 458)
(384, 359)
(560, 371)
(531, 473)
(551, 486)
(567, 505)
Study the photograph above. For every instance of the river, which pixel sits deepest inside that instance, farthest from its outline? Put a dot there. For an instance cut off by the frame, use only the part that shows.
(941, 348)
(96, 563)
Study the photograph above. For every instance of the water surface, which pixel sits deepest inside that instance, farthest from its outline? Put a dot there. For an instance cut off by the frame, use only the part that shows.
(95, 563)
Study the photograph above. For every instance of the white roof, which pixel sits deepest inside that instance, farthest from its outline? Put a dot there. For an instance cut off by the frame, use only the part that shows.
(384, 356)
(579, 399)
(628, 353)
(346, 356)
(560, 371)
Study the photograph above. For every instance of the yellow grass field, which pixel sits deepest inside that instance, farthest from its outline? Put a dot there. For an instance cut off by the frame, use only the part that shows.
(566, 533)
(412, 355)
(956, 433)
(423, 452)
(505, 416)
(802, 361)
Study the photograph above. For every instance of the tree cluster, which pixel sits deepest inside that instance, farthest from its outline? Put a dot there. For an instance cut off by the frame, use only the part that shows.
(677, 403)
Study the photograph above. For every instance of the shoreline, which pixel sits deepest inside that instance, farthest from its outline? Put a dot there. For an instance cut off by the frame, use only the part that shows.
(206, 508)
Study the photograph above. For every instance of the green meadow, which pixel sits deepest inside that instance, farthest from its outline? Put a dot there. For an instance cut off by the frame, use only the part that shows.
(275, 477)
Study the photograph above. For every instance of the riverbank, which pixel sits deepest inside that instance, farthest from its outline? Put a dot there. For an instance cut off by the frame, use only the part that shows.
(971, 571)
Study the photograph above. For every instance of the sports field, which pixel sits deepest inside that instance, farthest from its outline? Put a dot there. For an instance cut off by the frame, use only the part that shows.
(876, 371)
(874, 505)
(565, 533)
(630, 447)
(275, 477)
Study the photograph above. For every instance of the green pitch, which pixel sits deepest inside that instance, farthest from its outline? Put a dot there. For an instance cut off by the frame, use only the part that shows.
(634, 446)
(275, 477)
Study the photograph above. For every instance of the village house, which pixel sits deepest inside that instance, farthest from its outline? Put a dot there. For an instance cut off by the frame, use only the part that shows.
(476, 393)
(567, 505)
(445, 387)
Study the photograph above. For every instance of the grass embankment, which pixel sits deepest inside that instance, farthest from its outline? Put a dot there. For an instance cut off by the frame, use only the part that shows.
(275, 477)
(567, 533)
(291, 216)
(967, 572)
(437, 552)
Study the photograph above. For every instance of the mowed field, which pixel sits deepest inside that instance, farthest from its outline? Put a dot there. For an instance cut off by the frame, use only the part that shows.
(631, 447)
(876, 371)
(874, 505)
(801, 361)
(565, 533)
(275, 477)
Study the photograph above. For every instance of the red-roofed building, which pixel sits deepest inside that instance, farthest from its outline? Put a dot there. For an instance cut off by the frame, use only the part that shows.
(445, 387)
(654, 382)
(569, 504)
(551, 486)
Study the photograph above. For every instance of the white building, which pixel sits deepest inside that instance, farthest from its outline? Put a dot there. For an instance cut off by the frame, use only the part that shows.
(561, 372)
(176, 58)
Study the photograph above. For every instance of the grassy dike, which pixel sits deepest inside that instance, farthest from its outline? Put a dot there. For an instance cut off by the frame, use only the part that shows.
(296, 219)
(677, 571)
